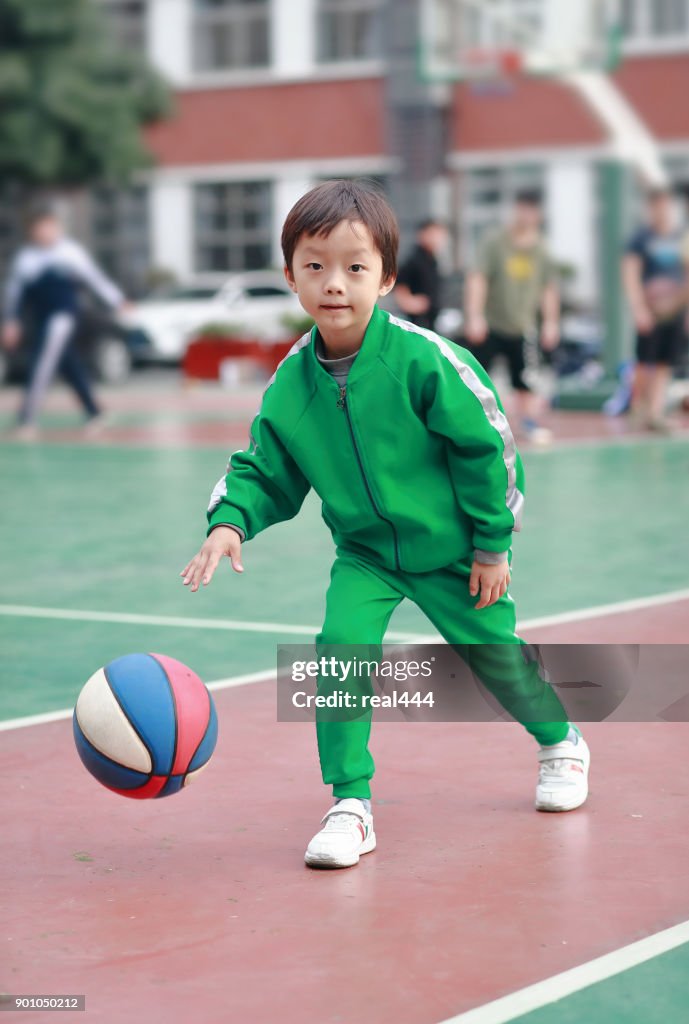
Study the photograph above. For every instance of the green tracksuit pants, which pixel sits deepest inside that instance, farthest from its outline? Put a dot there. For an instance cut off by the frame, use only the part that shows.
(360, 600)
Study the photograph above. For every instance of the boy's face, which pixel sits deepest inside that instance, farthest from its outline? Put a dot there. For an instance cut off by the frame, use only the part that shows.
(339, 278)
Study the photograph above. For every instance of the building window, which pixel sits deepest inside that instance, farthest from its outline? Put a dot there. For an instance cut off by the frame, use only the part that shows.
(231, 34)
(654, 19)
(127, 20)
(349, 30)
(488, 194)
(120, 235)
(669, 17)
(233, 225)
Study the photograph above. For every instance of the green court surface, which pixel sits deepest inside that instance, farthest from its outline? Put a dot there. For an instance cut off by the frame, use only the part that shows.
(108, 529)
(650, 992)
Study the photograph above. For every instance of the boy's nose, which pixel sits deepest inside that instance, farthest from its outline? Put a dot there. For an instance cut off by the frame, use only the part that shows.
(333, 286)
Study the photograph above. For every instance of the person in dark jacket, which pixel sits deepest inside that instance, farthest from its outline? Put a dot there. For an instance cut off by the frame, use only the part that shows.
(419, 281)
(43, 283)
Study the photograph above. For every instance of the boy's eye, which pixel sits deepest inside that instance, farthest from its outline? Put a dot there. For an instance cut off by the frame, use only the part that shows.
(356, 267)
(315, 266)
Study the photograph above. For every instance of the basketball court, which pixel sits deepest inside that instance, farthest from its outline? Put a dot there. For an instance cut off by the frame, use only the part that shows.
(474, 907)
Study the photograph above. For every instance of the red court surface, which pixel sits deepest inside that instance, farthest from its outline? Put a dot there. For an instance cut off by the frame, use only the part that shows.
(199, 907)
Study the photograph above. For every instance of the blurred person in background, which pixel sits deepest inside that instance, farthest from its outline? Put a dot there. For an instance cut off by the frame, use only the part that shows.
(43, 286)
(655, 274)
(419, 281)
(514, 280)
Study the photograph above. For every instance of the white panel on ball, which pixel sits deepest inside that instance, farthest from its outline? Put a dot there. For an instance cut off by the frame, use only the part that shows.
(107, 728)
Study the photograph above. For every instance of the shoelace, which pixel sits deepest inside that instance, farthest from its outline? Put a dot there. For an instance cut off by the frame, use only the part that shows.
(341, 822)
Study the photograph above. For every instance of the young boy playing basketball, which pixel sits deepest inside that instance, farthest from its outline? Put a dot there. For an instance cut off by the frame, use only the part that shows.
(403, 437)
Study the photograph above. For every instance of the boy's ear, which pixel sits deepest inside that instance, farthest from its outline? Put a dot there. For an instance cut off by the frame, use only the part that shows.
(387, 285)
(289, 278)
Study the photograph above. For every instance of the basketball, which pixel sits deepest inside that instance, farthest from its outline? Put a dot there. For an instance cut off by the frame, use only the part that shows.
(145, 725)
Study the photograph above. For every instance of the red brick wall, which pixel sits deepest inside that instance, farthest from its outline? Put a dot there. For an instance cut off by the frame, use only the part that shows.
(273, 122)
(659, 89)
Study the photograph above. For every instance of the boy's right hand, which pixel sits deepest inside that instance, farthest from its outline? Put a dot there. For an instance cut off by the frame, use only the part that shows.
(222, 542)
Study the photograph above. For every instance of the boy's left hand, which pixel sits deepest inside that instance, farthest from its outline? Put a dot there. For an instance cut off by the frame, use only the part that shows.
(491, 580)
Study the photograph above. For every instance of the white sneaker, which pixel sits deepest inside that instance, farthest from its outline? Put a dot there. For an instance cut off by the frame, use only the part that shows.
(563, 776)
(536, 434)
(346, 835)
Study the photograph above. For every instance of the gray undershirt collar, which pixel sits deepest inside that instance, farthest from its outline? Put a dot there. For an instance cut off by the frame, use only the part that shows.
(337, 368)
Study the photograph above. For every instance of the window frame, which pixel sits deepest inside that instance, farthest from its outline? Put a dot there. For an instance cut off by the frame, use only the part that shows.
(242, 17)
(233, 237)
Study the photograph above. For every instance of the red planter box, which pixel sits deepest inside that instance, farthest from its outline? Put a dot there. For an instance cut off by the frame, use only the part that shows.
(203, 357)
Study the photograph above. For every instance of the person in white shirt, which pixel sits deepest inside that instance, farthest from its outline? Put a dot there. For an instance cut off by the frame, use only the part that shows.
(43, 281)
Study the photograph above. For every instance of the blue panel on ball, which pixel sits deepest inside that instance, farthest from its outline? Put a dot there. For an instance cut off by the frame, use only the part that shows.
(143, 691)
(173, 785)
(102, 768)
(207, 744)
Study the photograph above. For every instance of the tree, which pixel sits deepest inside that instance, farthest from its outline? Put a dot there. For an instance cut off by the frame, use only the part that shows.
(71, 103)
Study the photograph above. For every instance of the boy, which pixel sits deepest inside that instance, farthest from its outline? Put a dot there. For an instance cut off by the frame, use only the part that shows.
(402, 435)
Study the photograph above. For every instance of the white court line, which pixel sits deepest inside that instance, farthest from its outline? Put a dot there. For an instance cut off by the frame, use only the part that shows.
(240, 625)
(25, 611)
(62, 713)
(601, 610)
(29, 611)
(525, 1000)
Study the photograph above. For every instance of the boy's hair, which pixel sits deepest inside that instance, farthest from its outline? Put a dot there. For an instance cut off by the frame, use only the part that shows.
(322, 209)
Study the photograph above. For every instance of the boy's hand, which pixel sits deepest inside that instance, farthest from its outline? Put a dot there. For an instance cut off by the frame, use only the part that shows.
(491, 580)
(223, 541)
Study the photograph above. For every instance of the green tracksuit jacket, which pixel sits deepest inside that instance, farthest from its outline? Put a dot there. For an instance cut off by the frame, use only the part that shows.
(413, 460)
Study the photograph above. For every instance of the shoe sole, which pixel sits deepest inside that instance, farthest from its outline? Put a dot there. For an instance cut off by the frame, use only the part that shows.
(566, 807)
(319, 861)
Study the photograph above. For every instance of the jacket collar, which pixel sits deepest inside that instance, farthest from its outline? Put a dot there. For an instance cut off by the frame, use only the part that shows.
(367, 354)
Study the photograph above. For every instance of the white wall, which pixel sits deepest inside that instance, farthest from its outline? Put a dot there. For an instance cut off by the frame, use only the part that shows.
(293, 37)
(571, 214)
(172, 238)
(169, 38)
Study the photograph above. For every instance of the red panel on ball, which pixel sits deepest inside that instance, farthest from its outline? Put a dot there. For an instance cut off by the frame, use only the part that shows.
(193, 710)
(147, 791)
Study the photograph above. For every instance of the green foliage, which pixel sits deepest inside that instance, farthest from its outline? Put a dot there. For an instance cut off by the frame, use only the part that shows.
(297, 323)
(217, 330)
(71, 102)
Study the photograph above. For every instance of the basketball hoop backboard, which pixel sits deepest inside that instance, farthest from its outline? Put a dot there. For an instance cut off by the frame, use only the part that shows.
(470, 39)
(576, 42)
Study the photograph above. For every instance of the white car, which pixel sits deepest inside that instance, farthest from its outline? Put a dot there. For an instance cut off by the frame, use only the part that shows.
(254, 303)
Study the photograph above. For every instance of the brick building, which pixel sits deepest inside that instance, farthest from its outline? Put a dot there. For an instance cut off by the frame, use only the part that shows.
(274, 95)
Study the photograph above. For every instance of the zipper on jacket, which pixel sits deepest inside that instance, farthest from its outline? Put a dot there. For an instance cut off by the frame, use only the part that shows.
(342, 404)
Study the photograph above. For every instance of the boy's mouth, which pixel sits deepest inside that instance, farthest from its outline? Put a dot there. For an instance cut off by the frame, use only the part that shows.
(333, 307)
